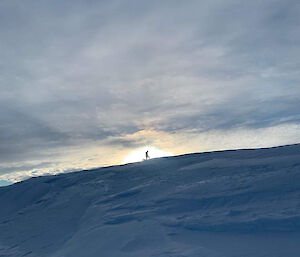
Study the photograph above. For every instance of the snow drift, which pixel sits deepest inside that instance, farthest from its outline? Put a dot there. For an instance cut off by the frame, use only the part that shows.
(232, 203)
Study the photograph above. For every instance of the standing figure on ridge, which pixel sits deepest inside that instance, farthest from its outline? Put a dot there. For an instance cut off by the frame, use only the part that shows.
(147, 155)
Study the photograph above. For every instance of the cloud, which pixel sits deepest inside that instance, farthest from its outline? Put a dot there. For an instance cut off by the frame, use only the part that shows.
(24, 167)
(86, 74)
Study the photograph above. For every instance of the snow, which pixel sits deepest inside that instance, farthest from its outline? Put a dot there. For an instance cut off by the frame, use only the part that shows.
(4, 183)
(237, 203)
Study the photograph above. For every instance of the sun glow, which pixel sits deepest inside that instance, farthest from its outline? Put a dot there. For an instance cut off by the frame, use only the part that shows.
(140, 154)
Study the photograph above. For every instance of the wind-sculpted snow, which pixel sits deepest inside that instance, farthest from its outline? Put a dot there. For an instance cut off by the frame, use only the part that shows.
(234, 204)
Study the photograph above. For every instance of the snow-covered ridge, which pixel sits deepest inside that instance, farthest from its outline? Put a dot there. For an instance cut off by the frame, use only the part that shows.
(189, 205)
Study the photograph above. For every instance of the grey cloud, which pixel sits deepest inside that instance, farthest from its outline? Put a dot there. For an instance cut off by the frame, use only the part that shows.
(76, 72)
(20, 133)
(230, 115)
(9, 169)
(128, 143)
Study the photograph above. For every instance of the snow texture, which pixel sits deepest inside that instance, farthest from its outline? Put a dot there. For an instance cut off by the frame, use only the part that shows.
(240, 203)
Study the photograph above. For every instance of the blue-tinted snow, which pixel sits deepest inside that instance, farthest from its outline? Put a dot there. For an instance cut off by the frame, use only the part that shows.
(5, 183)
(232, 204)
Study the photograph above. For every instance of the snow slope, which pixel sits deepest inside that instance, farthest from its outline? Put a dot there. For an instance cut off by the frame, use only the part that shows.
(233, 204)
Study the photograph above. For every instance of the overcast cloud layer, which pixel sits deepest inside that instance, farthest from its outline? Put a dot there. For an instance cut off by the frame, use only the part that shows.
(85, 82)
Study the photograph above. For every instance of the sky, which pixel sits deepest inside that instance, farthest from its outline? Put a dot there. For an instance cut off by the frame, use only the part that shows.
(86, 83)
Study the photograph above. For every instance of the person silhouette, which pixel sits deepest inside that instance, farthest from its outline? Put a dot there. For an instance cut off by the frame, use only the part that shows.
(147, 155)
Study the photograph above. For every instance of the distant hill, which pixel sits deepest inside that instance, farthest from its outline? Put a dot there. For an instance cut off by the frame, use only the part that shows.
(229, 203)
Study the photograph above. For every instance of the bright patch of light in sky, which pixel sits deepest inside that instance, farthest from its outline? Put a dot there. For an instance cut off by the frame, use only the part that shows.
(140, 154)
